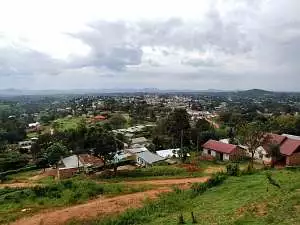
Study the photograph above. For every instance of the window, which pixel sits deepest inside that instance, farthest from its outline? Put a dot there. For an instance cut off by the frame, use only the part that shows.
(209, 152)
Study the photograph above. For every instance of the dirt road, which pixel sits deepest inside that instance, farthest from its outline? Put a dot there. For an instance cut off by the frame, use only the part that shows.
(105, 206)
(18, 185)
(168, 182)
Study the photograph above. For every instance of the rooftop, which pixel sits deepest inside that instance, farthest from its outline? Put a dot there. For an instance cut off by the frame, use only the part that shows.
(219, 146)
(150, 157)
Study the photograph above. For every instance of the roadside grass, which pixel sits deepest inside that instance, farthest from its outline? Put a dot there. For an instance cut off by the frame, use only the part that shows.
(22, 176)
(17, 202)
(248, 199)
(149, 173)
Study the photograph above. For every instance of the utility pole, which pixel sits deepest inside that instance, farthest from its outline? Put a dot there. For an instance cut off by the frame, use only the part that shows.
(181, 140)
(197, 142)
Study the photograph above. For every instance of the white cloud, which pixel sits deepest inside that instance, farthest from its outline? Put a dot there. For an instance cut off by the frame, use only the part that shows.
(227, 44)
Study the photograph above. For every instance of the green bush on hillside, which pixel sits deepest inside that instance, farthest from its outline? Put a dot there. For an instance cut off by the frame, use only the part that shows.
(147, 172)
(233, 169)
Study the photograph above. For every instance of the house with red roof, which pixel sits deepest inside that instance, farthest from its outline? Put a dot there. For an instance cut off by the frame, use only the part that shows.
(223, 151)
(98, 118)
(289, 148)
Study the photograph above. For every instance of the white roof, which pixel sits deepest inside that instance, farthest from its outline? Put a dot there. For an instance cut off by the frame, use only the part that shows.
(137, 150)
(294, 137)
(34, 124)
(71, 162)
(139, 140)
(168, 153)
(226, 141)
(150, 157)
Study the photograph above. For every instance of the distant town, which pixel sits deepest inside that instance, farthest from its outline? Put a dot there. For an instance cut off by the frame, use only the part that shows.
(59, 150)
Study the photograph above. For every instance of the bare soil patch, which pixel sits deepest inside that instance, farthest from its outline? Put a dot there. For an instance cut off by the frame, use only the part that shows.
(101, 206)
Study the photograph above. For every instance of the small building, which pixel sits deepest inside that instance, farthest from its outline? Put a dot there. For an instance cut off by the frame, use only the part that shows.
(136, 150)
(25, 146)
(140, 141)
(98, 118)
(34, 127)
(80, 161)
(168, 153)
(289, 149)
(223, 151)
(147, 158)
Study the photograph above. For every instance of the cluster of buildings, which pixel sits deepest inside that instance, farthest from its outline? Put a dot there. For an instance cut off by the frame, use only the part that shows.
(289, 147)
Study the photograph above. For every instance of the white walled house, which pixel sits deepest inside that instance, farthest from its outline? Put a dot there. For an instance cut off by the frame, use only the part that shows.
(222, 151)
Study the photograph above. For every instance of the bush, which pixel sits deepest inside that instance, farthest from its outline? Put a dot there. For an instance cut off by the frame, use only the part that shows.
(199, 188)
(147, 172)
(215, 180)
(233, 169)
(67, 192)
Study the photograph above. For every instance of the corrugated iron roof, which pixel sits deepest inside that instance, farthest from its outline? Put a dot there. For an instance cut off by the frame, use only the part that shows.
(219, 146)
(150, 157)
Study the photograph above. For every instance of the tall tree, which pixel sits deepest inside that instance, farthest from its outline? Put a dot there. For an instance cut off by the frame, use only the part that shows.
(35, 150)
(253, 136)
(274, 153)
(117, 121)
(55, 153)
(178, 127)
(103, 143)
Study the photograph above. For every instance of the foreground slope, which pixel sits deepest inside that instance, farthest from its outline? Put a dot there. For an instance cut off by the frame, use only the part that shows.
(249, 199)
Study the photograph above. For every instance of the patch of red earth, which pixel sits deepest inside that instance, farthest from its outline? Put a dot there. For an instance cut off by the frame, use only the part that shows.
(189, 167)
(95, 208)
(106, 206)
(168, 182)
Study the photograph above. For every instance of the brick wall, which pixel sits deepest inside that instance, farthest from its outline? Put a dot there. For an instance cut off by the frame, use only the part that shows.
(237, 154)
(64, 173)
(293, 160)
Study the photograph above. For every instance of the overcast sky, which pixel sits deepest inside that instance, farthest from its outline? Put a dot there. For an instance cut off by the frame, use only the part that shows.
(178, 44)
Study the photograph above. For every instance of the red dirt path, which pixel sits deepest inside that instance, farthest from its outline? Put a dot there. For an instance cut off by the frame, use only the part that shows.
(105, 206)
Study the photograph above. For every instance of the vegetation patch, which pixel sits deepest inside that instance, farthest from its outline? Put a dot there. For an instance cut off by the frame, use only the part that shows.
(248, 199)
(15, 202)
(154, 171)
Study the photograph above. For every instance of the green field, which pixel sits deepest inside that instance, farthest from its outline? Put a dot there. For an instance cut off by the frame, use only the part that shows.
(249, 199)
(67, 123)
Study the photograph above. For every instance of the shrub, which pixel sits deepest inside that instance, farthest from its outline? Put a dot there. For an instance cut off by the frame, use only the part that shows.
(147, 172)
(216, 179)
(65, 192)
(233, 169)
(199, 188)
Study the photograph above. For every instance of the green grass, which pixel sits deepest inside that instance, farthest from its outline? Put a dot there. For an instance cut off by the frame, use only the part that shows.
(248, 199)
(67, 192)
(67, 123)
(22, 176)
(154, 172)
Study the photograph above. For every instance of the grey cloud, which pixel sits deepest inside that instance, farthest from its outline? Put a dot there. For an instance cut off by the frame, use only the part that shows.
(263, 35)
(20, 62)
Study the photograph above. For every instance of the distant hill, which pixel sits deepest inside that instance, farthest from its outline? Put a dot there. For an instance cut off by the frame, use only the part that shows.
(256, 92)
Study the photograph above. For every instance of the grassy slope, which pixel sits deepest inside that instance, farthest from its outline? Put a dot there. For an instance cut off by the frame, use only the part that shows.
(68, 123)
(240, 200)
(67, 192)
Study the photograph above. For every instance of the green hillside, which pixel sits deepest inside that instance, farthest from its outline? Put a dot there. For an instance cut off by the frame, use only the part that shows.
(249, 199)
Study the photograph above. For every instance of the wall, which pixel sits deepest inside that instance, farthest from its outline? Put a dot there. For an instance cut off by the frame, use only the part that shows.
(213, 153)
(293, 160)
(226, 157)
(237, 154)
